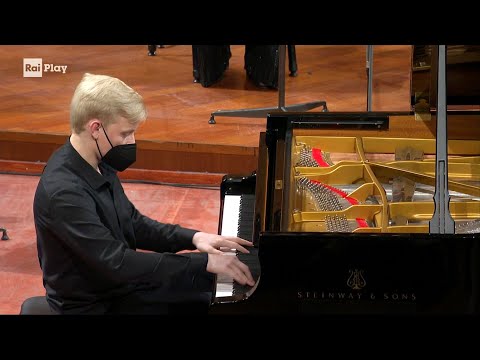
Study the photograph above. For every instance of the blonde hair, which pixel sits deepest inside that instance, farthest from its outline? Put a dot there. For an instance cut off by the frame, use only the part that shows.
(105, 98)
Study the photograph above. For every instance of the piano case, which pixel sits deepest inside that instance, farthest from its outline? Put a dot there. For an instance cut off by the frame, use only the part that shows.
(375, 254)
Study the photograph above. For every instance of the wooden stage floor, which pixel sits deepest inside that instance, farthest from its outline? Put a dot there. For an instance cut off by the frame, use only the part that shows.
(177, 144)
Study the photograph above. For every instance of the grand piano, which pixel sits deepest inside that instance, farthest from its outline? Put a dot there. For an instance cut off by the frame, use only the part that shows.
(359, 213)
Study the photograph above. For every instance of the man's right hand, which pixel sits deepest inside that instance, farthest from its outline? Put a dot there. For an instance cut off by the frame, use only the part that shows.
(230, 265)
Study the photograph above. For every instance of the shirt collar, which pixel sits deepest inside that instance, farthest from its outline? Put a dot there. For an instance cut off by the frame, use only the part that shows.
(93, 178)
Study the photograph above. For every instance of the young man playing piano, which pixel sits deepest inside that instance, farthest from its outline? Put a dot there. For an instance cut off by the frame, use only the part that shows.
(88, 230)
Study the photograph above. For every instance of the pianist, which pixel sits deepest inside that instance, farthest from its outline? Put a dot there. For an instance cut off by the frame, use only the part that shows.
(88, 231)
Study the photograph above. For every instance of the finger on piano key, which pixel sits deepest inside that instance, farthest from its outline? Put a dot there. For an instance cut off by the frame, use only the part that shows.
(228, 251)
(245, 271)
(237, 243)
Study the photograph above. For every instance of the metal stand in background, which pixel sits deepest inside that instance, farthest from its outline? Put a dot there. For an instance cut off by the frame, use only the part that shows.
(262, 112)
(152, 49)
(369, 76)
(442, 221)
(5, 235)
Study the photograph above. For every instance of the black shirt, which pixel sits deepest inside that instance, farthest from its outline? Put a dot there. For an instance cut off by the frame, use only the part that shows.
(88, 232)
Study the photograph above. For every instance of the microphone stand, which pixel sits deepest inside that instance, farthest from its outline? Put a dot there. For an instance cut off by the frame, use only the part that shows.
(263, 112)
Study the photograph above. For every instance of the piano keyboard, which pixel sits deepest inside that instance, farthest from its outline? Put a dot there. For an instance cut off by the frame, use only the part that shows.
(237, 220)
(237, 217)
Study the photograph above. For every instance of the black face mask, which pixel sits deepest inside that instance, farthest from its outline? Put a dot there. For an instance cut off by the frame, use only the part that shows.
(119, 157)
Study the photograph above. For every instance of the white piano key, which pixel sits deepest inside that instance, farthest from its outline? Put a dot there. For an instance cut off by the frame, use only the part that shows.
(231, 214)
(225, 286)
(225, 282)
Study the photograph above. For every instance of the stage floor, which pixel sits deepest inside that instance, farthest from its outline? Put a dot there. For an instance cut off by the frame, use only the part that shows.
(177, 137)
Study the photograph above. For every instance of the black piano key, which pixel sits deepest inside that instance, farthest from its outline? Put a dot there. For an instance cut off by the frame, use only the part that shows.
(253, 263)
(246, 216)
(245, 231)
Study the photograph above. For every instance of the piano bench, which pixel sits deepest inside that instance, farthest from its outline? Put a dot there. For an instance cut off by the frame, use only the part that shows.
(36, 305)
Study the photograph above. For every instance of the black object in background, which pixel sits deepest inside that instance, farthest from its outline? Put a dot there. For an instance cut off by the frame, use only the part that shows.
(261, 65)
(210, 63)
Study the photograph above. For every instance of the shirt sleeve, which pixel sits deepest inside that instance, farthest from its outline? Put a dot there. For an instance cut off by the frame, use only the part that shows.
(153, 235)
(88, 240)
